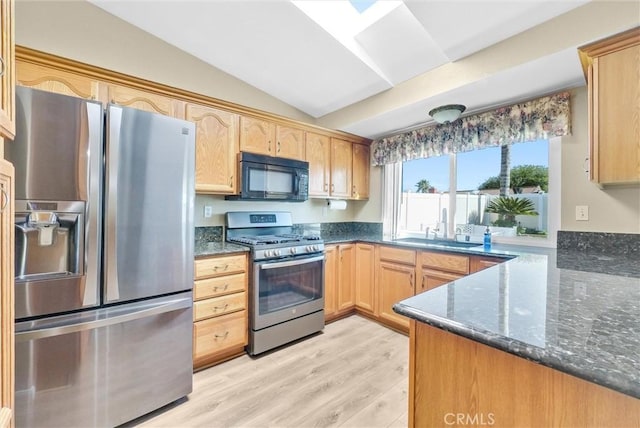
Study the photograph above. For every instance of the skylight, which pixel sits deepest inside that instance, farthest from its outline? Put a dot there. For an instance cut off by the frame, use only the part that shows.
(344, 19)
(362, 5)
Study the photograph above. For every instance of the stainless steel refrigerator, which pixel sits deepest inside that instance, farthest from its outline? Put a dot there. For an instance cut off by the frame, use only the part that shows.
(104, 260)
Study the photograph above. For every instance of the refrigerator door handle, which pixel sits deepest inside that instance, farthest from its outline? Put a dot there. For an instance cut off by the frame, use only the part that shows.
(103, 322)
(111, 209)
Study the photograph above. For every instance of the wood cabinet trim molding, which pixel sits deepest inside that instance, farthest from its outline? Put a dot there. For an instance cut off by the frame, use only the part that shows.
(605, 46)
(64, 64)
(7, 80)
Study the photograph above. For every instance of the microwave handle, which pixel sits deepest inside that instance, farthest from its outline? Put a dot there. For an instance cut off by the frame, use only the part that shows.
(296, 184)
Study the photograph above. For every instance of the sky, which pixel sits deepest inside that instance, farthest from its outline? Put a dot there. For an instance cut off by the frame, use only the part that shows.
(473, 167)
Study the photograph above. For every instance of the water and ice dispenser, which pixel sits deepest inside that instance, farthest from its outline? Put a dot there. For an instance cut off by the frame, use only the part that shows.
(49, 240)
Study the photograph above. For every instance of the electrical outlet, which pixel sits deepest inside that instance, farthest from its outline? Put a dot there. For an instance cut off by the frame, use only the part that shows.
(582, 212)
(208, 211)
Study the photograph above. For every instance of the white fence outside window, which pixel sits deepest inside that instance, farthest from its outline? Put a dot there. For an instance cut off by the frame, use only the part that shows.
(421, 210)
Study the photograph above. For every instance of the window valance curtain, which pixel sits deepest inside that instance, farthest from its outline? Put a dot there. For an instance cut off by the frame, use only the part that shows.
(528, 121)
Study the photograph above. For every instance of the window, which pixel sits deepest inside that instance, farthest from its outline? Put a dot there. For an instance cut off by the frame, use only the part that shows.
(527, 215)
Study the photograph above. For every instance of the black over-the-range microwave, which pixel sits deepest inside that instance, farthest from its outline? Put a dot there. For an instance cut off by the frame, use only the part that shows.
(268, 178)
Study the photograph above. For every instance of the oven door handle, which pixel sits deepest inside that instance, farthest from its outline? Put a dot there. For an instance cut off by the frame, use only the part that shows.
(297, 262)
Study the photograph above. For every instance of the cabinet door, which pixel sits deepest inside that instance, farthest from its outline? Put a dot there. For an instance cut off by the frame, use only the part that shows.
(615, 130)
(434, 278)
(330, 281)
(396, 282)
(318, 154)
(7, 69)
(6, 290)
(365, 282)
(147, 101)
(256, 136)
(289, 142)
(341, 156)
(346, 281)
(477, 263)
(217, 146)
(360, 175)
(60, 82)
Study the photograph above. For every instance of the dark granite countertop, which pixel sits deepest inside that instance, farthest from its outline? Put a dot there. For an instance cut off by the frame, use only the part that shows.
(573, 311)
(204, 249)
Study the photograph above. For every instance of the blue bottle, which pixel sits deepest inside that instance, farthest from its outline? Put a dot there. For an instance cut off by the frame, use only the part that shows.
(487, 239)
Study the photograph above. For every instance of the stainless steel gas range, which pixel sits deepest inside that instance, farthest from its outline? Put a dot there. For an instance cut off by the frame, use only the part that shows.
(286, 281)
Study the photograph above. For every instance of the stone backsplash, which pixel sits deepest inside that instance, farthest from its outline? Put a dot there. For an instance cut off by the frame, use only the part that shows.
(614, 244)
(208, 234)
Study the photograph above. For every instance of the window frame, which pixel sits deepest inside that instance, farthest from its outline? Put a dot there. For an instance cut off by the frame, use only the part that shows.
(553, 208)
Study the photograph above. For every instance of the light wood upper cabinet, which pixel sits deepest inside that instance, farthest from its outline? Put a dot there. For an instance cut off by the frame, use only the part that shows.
(257, 136)
(217, 146)
(143, 100)
(7, 70)
(289, 142)
(360, 174)
(266, 138)
(58, 81)
(6, 292)
(341, 158)
(365, 278)
(318, 154)
(613, 80)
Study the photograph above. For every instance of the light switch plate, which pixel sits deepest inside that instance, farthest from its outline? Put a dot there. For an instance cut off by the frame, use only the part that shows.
(582, 212)
(208, 211)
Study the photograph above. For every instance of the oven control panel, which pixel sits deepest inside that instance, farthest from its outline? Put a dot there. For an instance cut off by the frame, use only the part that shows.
(288, 251)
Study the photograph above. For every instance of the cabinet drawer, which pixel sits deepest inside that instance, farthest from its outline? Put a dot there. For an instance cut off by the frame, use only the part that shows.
(218, 286)
(216, 266)
(447, 262)
(218, 334)
(481, 263)
(398, 255)
(219, 306)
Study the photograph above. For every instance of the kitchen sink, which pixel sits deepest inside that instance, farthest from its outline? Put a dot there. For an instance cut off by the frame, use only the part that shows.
(437, 242)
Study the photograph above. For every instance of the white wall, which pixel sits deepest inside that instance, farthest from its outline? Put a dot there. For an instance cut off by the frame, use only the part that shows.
(614, 210)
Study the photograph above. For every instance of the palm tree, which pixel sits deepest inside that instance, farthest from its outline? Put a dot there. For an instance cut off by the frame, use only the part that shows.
(508, 208)
(505, 169)
(423, 186)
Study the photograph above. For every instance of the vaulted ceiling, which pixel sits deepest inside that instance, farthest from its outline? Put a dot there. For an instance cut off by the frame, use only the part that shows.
(379, 72)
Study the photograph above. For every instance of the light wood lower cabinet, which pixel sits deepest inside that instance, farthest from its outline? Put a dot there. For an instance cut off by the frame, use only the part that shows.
(396, 273)
(339, 280)
(365, 278)
(220, 328)
(478, 263)
(6, 292)
(450, 375)
(436, 269)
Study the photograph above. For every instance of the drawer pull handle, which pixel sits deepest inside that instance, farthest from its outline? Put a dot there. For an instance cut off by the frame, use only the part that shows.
(326, 187)
(221, 336)
(278, 147)
(221, 308)
(223, 288)
(2, 66)
(220, 267)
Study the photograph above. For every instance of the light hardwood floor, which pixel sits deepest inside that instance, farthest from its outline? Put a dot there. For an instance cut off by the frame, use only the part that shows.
(354, 374)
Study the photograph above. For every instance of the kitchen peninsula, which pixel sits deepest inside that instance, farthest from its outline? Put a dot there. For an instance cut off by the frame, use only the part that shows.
(546, 339)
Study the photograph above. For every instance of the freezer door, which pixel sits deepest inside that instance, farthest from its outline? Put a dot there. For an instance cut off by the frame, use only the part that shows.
(103, 367)
(149, 197)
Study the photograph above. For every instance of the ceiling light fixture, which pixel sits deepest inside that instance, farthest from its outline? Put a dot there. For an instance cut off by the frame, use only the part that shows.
(448, 113)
